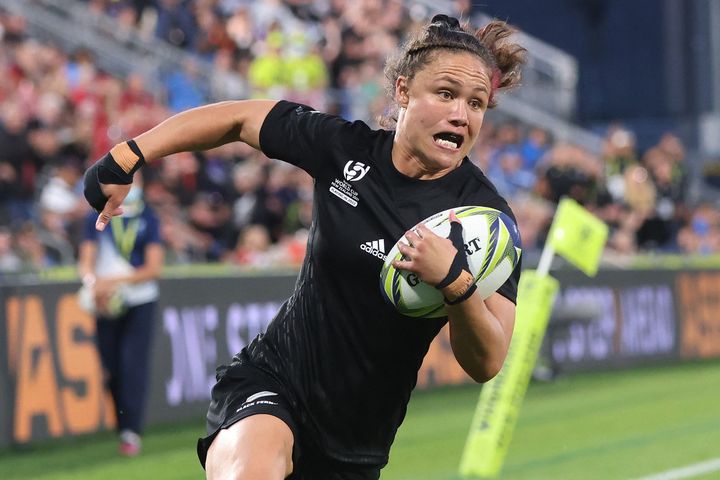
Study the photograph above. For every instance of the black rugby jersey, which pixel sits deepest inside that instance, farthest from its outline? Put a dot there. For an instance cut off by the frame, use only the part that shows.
(347, 359)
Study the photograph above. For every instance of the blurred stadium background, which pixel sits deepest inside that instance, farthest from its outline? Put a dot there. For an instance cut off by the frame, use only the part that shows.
(620, 110)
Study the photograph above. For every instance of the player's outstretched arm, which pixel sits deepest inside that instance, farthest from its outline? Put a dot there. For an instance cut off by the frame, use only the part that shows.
(108, 181)
(206, 127)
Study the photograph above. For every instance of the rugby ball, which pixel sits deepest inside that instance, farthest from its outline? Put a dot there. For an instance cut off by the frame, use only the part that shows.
(492, 245)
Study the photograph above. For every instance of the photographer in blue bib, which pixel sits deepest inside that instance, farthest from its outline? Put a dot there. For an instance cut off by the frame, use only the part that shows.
(119, 268)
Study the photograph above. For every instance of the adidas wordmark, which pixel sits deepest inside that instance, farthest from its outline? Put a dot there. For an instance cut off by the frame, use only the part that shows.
(375, 248)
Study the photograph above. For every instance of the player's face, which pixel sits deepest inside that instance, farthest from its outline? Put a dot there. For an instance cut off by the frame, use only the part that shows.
(442, 110)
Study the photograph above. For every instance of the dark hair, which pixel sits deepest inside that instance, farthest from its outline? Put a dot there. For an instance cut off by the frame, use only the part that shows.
(504, 59)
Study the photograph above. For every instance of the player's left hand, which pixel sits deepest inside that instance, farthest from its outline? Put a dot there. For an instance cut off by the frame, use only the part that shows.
(107, 183)
(428, 255)
(104, 193)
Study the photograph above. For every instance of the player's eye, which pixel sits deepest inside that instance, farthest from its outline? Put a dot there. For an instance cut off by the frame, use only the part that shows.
(476, 104)
(445, 95)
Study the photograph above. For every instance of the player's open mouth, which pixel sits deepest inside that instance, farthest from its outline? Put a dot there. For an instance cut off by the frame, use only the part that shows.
(448, 140)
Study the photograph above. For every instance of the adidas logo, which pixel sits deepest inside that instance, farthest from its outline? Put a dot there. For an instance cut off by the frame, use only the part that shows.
(375, 248)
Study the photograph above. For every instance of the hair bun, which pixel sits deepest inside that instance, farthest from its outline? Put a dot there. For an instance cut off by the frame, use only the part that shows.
(450, 22)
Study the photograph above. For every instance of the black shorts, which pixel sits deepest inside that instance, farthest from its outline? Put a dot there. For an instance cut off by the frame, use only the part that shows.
(242, 391)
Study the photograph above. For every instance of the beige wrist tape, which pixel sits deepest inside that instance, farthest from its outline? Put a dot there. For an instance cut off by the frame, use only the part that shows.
(124, 156)
(459, 286)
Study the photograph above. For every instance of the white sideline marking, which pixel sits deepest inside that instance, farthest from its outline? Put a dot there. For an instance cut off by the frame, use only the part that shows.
(686, 472)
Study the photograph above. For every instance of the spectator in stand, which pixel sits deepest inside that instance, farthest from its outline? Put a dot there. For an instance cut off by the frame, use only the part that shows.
(508, 174)
(62, 206)
(10, 262)
(186, 88)
(660, 228)
(239, 28)
(305, 71)
(534, 147)
(126, 19)
(229, 79)
(702, 234)
(253, 248)
(298, 214)
(267, 72)
(248, 181)
(179, 176)
(30, 249)
(19, 162)
(216, 168)
(54, 235)
(640, 199)
(507, 138)
(136, 108)
(210, 215)
(618, 154)
(279, 195)
(212, 35)
(176, 23)
(568, 170)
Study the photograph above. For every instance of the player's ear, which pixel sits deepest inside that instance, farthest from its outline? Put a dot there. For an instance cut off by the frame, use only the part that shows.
(401, 91)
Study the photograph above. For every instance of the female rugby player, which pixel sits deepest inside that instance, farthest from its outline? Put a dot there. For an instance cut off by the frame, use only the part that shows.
(322, 393)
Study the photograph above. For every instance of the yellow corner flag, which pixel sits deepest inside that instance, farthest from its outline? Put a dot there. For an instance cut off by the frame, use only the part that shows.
(578, 235)
(500, 399)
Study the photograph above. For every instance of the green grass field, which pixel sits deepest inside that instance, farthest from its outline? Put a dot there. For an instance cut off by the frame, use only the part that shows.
(618, 425)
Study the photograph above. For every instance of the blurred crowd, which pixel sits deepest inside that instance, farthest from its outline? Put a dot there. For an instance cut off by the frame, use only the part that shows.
(59, 112)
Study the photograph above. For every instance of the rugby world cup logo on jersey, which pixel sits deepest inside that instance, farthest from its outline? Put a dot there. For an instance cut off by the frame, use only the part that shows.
(355, 171)
(352, 172)
(375, 248)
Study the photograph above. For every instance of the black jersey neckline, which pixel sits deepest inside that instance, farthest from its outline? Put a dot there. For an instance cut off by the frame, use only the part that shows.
(399, 178)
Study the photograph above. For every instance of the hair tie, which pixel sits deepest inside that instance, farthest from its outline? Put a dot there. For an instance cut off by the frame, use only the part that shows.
(495, 78)
(449, 22)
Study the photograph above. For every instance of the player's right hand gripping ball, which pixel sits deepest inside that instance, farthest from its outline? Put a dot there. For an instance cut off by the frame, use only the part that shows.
(488, 245)
(459, 283)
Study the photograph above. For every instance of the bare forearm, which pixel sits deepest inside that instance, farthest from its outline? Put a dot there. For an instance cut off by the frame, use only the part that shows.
(479, 338)
(206, 127)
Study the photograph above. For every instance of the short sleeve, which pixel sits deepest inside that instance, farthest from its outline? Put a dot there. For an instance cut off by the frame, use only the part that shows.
(306, 138)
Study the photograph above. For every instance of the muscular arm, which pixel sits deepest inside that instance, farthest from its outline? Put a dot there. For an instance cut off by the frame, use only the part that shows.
(480, 333)
(197, 129)
(206, 127)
